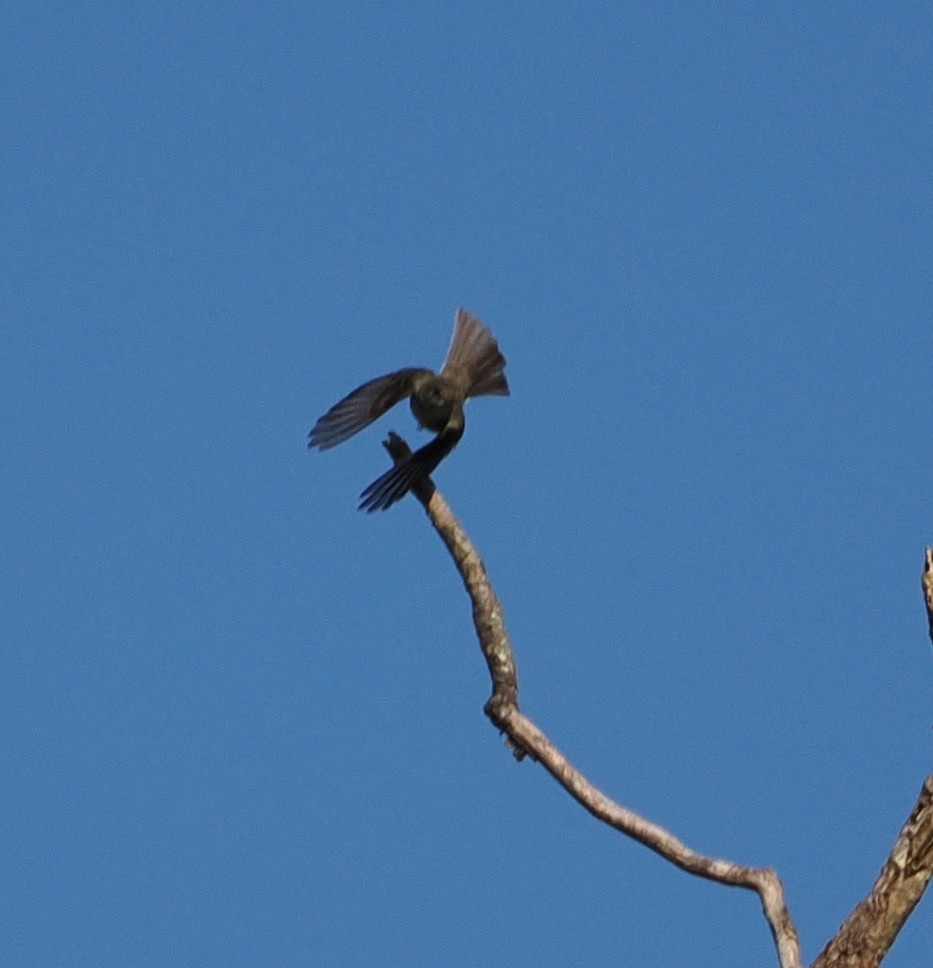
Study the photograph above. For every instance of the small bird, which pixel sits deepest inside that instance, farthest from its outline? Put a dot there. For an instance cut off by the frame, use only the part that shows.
(473, 368)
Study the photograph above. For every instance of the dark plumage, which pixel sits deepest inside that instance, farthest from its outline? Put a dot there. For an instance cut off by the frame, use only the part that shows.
(473, 368)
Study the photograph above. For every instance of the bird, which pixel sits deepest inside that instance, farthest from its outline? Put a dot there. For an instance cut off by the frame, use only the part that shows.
(474, 367)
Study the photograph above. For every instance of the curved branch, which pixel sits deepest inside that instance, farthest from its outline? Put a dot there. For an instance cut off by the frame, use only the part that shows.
(526, 739)
(866, 935)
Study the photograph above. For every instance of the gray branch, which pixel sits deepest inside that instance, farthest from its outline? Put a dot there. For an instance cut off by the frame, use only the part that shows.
(870, 930)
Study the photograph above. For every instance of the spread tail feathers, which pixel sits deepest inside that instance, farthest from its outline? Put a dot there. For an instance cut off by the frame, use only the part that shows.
(474, 359)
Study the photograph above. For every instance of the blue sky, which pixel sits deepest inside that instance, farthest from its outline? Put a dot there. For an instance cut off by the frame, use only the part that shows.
(242, 722)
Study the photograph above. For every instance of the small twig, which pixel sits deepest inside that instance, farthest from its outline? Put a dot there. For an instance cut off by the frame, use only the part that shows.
(526, 738)
(927, 582)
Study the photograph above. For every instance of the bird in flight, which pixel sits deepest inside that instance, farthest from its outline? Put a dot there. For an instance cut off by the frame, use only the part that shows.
(473, 368)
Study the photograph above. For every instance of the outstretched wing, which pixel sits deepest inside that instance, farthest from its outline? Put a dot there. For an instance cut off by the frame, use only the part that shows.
(361, 407)
(397, 482)
(474, 361)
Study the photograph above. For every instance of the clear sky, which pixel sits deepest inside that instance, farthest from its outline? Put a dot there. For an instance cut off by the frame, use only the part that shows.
(241, 721)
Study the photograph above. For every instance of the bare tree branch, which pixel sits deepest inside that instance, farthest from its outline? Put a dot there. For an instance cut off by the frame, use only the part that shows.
(526, 739)
(868, 933)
